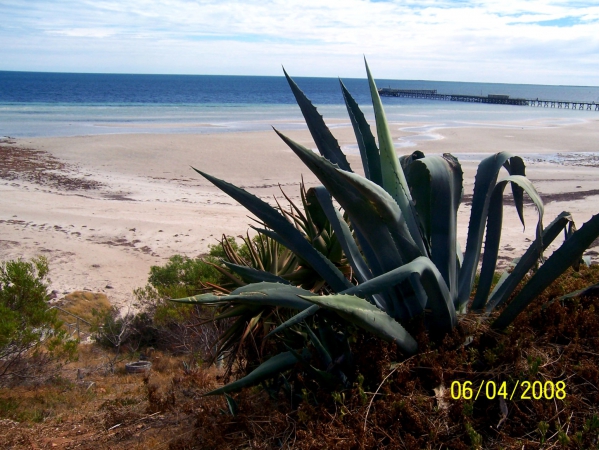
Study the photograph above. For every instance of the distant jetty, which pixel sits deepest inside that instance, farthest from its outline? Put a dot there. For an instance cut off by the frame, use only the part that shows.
(497, 99)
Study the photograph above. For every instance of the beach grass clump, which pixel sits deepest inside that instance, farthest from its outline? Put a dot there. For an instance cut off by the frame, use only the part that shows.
(397, 227)
(83, 304)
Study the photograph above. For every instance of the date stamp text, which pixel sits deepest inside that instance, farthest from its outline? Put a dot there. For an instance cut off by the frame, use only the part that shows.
(521, 390)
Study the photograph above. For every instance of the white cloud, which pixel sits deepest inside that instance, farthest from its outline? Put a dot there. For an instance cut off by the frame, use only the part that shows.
(84, 32)
(485, 40)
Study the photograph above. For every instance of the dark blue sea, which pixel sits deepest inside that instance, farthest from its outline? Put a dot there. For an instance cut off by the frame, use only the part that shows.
(63, 104)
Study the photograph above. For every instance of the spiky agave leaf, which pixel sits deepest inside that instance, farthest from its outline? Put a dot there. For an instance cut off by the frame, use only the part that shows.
(375, 216)
(252, 275)
(371, 159)
(325, 141)
(367, 316)
(259, 294)
(394, 180)
(484, 183)
(343, 233)
(494, 226)
(433, 295)
(325, 354)
(569, 252)
(288, 234)
(294, 320)
(436, 185)
(370, 208)
(268, 369)
(525, 263)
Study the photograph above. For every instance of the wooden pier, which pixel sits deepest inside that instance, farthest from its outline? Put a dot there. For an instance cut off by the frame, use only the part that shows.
(497, 99)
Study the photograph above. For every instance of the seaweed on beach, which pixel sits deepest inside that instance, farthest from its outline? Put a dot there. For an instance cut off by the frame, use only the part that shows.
(41, 168)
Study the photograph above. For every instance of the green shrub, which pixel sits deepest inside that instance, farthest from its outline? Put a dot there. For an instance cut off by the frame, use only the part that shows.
(31, 336)
(160, 323)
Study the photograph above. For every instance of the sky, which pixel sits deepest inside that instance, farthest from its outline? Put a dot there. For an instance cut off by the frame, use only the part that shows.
(504, 41)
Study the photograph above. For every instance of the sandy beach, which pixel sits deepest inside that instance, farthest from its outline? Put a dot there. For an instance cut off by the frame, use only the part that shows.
(104, 209)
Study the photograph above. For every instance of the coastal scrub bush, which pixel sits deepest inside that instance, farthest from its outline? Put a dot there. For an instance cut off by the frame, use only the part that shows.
(162, 324)
(401, 244)
(31, 336)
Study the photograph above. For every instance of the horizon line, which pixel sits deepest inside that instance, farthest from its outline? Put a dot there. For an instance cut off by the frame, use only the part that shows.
(282, 76)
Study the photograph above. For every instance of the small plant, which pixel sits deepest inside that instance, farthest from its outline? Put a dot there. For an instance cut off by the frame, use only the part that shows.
(112, 330)
(476, 440)
(563, 438)
(543, 428)
(591, 424)
(31, 336)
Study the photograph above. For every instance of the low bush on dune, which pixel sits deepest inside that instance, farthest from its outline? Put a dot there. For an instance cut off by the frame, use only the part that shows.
(164, 325)
(33, 342)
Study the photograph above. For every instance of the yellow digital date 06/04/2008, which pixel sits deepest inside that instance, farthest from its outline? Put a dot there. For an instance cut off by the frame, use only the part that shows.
(525, 390)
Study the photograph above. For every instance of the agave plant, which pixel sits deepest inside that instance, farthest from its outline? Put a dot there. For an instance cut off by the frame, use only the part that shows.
(263, 259)
(401, 242)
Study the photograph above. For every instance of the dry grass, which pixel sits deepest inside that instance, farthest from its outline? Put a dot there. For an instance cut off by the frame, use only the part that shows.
(550, 341)
(86, 305)
(87, 407)
(82, 303)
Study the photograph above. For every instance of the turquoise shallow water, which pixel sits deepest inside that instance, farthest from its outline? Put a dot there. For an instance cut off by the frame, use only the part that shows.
(41, 104)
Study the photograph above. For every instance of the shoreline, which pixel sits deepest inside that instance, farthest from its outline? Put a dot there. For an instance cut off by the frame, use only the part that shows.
(104, 208)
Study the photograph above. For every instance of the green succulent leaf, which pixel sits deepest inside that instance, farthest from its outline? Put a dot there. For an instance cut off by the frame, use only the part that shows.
(436, 184)
(494, 223)
(252, 275)
(323, 353)
(374, 215)
(236, 280)
(325, 356)
(371, 160)
(515, 166)
(268, 369)
(394, 180)
(367, 316)
(298, 318)
(370, 208)
(593, 289)
(484, 183)
(315, 212)
(259, 294)
(343, 233)
(207, 299)
(289, 235)
(569, 252)
(506, 286)
(323, 138)
(433, 295)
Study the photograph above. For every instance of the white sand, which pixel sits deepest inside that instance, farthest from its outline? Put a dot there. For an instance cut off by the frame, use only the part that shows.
(151, 204)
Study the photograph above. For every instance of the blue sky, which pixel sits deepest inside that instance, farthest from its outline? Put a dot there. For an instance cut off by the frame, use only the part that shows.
(512, 41)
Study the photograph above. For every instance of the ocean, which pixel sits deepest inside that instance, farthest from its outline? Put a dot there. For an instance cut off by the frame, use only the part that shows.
(36, 104)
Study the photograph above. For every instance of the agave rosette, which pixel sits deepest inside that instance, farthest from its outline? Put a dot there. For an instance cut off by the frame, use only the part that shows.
(402, 240)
